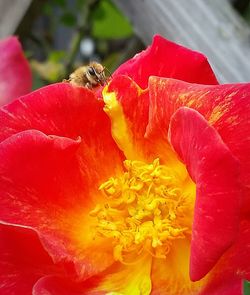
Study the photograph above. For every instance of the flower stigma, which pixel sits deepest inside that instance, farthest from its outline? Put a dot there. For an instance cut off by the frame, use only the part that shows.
(144, 211)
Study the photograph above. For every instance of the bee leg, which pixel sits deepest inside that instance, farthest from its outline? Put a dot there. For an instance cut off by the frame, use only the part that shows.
(88, 85)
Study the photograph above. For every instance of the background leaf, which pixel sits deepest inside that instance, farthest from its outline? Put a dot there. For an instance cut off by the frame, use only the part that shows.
(68, 19)
(109, 23)
(246, 288)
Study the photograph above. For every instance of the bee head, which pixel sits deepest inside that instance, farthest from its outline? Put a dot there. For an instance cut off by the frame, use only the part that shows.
(97, 74)
(92, 72)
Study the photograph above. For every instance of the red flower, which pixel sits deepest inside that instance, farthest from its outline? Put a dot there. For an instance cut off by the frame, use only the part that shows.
(15, 77)
(101, 202)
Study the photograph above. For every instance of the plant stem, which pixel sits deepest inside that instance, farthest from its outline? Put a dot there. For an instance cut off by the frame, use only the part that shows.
(84, 22)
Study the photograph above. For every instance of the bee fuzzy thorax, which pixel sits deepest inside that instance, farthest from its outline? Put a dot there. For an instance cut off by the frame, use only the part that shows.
(89, 76)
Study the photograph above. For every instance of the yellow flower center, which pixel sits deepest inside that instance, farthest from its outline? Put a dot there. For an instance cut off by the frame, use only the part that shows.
(144, 211)
(145, 214)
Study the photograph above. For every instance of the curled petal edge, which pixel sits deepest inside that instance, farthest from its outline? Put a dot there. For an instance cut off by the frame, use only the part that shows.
(215, 171)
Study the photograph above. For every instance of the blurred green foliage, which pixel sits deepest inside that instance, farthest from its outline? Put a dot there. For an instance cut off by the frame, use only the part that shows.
(247, 14)
(246, 288)
(72, 21)
(68, 19)
(109, 23)
(53, 33)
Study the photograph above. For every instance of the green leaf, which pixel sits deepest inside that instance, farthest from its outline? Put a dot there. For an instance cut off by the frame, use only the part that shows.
(246, 288)
(56, 55)
(68, 19)
(80, 3)
(47, 9)
(48, 70)
(247, 14)
(109, 23)
(61, 3)
(37, 82)
(110, 62)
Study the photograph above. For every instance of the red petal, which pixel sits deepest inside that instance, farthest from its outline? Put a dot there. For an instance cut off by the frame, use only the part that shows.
(23, 260)
(67, 111)
(33, 163)
(171, 275)
(167, 59)
(58, 109)
(51, 285)
(135, 107)
(134, 101)
(225, 286)
(233, 266)
(215, 172)
(47, 183)
(213, 102)
(231, 118)
(240, 252)
(118, 279)
(226, 107)
(237, 259)
(15, 72)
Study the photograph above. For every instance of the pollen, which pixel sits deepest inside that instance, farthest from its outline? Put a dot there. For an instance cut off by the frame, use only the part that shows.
(144, 211)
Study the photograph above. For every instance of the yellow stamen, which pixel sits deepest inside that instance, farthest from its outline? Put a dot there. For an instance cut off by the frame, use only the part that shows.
(145, 211)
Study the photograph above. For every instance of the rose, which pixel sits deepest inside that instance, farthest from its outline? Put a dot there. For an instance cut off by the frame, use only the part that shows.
(116, 212)
(15, 71)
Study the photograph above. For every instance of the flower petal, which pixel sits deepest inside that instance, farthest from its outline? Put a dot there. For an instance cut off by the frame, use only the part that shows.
(55, 285)
(224, 280)
(171, 275)
(239, 254)
(45, 184)
(134, 102)
(118, 279)
(167, 59)
(226, 107)
(15, 71)
(23, 260)
(231, 119)
(58, 109)
(226, 286)
(215, 172)
(127, 107)
(65, 179)
(67, 111)
(236, 261)
(233, 266)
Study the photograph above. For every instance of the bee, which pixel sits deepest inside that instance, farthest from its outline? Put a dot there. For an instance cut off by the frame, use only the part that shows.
(89, 76)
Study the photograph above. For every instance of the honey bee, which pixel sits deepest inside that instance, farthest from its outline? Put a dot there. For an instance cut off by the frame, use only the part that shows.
(89, 76)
